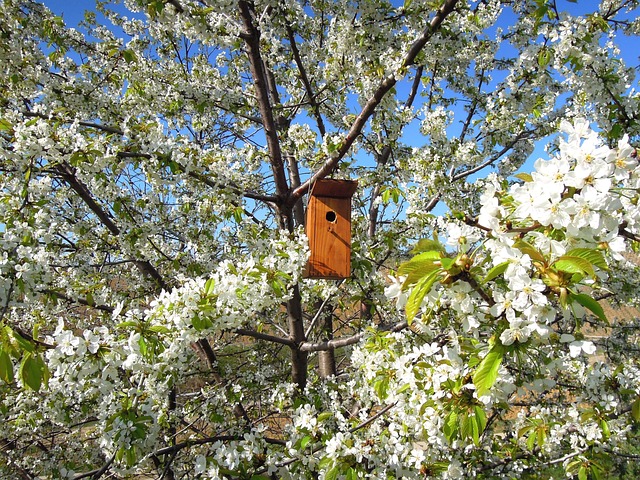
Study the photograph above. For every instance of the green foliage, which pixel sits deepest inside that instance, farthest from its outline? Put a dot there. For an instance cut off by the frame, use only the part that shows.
(591, 304)
(466, 419)
(495, 272)
(635, 409)
(536, 431)
(487, 372)
(419, 291)
(32, 369)
(6, 367)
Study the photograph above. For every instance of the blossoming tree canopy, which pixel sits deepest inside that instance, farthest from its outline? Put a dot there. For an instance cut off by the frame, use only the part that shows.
(155, 163)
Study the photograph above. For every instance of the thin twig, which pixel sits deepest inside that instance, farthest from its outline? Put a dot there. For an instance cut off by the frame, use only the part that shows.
(317, 315)
(96, 474)
(373, 418)
(265, 336)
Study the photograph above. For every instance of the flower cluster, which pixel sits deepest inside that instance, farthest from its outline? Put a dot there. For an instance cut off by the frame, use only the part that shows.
(524, 277)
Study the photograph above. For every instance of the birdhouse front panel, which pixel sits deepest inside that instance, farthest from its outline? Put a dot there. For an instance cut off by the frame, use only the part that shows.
(329, 233)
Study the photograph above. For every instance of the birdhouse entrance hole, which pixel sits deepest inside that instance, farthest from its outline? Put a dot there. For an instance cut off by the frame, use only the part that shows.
(329, 229)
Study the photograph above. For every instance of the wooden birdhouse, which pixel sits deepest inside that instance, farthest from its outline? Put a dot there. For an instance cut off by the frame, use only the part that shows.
(328, 227)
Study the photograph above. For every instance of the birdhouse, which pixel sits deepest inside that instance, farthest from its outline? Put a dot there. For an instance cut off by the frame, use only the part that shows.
(329, 229)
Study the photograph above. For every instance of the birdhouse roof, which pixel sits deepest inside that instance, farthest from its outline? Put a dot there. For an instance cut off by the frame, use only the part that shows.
(334, 188)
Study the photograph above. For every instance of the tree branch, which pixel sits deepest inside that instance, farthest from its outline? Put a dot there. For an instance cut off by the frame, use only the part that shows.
(67, 173)
(622, 230)
(207, 181)
(204, 441)
(331, 344)
(367, 111)
(373, 418)
(198, 176)
(346, 341)
(212, 362)
(81, 301)
(264, 336)
(97, 126)
(96, 474)
(251, 36)
(305, 81)
(493, 158)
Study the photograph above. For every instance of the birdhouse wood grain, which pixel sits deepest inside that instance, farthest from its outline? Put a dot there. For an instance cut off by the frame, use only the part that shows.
(328, 227)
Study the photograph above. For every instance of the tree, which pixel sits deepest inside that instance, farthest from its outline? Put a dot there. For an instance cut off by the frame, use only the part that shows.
(153, 312)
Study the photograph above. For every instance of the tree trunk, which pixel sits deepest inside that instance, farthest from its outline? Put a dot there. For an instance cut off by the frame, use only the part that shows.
(326, 358)
(299, 359)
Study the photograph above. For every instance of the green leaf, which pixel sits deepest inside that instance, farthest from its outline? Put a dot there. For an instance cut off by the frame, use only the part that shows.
(428, 244)
(35, 331)
(466, 423)
(201, 323)
(381, 387)
(277, 288)
(5, 125)
(589, 303)
(541, 436)
(24, 343)
(574, 265)
(450, 427)
(487, 372)
(404, 388)
(495, 272)
(392, 193)
(582, 473)
(544, 57)
(159, 329)
(127, 324)
(324, 416)
(333, 473)
(476, 429)
(6, 367)
(129, 56)
(209, 287)
(481, 417)
(616, 131)
(417, 270)
(596, 470)
(531, 441)
(305, 441)
(77, 158)
(448, 263)
(32, 371)
(594, 257)
(431, 255)
(606, 433)
(142, 343)
(237, 214)
(525, 177)
(428, 255)
(422, 288)
(635, 410)
(131, 457)
(530, 250)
